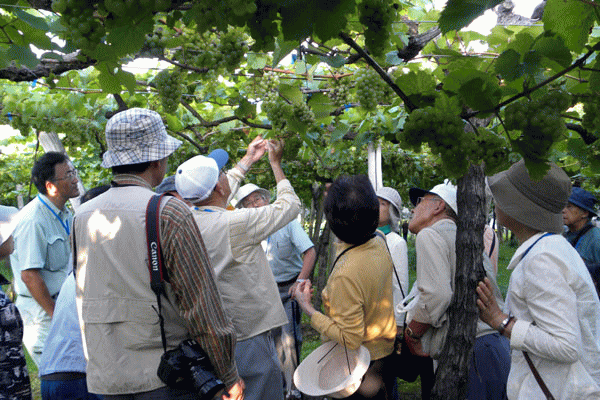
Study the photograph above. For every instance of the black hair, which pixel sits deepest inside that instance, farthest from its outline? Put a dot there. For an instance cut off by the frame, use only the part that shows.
(131, 168)
(43, 170)
(93, 192)
(352, 209)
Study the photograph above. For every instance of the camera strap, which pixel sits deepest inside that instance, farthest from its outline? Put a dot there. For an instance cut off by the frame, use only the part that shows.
(155, 257)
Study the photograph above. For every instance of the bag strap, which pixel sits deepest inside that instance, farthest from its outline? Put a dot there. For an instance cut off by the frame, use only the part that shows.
(538, 377)
(155, 257)
(493, 244)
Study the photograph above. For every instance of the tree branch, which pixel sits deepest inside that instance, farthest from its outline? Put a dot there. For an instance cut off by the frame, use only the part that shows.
(588, 137)
(350, 42)
(45, 68)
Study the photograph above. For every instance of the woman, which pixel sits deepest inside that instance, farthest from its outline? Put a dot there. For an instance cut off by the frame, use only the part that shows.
(358, 296)
(390, 206)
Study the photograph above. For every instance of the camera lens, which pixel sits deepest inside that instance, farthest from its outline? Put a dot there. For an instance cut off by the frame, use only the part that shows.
(205, 383)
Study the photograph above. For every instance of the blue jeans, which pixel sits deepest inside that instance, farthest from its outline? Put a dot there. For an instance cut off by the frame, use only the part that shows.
(73, 389)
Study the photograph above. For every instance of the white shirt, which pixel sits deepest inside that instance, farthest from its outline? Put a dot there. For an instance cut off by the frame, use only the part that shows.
(556, 305)
(399, 253)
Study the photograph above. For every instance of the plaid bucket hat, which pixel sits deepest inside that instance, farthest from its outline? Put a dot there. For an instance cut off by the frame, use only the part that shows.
(135, 136)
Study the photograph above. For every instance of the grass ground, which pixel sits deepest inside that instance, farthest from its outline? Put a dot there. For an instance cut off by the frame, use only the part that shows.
(407, 390)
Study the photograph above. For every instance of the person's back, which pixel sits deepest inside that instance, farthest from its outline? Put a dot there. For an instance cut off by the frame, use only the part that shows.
(579, 327)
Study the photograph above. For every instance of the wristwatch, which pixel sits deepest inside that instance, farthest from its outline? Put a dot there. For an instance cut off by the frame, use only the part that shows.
(409, 332)
(505, 323)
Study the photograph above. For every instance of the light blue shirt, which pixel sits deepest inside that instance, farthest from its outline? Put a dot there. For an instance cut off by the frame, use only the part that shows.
(42, 242)
(588, 246)
(284, 251)
(63, 351)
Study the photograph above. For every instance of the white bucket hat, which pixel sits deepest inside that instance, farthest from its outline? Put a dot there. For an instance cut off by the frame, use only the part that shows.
(446, 190)
(246, 191)
(196, 178)
(391, 195)
(136, 136)
(332, 370)
(7, 222)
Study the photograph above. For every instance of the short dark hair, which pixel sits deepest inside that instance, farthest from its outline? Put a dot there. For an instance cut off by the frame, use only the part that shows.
(43, 169)
(93, 192)
(130, 168)
(352, 209)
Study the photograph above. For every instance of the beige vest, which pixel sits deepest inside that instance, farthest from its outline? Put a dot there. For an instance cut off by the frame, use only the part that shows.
(117, 308)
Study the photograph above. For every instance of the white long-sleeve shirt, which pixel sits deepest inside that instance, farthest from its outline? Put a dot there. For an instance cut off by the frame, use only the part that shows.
(399, 253)
(553, 298)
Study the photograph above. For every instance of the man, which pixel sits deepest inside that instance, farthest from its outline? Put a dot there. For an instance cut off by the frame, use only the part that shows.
(291, 256)
(40, 262)
(582, 234)
(233, 240)
(118, 311)
(434, 223)
(552, 313)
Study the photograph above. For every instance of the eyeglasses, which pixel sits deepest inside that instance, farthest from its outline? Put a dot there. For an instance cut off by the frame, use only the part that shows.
(70, 174)
(420, 199)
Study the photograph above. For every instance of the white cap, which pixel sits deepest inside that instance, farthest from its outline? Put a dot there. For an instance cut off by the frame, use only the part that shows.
(446, 190)
(196, 178)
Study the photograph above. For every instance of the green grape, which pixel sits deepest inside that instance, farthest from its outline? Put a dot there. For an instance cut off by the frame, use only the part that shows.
(370, 88)
(170, 88)
(278, 111)
(376, 16)
(339, 93)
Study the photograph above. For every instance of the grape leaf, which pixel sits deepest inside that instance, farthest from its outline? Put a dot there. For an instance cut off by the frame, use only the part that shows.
(508, 65)
(570, 19)
(553, 47)
(459, 13)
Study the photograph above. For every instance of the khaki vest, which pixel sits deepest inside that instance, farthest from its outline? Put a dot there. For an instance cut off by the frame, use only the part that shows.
(117, 308)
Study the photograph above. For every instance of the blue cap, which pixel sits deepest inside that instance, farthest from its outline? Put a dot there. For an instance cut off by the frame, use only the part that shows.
(220, 156)
(584, 200)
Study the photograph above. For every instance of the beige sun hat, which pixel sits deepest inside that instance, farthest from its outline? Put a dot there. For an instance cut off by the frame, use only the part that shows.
(536, 204)
(332, 370)
(246, 191)
(391, 195)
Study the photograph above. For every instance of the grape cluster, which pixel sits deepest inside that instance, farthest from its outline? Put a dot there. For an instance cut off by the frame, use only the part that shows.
(443, 131)
(85, 31)
(370, 88)
(539, 121)
(339, 93)
(304, 114)
(268, 87)
(214, 51)
(376, 16)
(155, 43)
(278, 111)
(170, 88)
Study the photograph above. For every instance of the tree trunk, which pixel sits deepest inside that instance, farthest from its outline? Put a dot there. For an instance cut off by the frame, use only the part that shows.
(453, 369)
(323, 260)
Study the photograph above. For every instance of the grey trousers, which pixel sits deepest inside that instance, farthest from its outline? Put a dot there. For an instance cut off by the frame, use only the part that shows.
(259, 367)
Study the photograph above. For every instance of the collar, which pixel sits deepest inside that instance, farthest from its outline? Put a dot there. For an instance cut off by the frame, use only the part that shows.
(50, 204)
(516, 258)
(385, 229)
(128, 179)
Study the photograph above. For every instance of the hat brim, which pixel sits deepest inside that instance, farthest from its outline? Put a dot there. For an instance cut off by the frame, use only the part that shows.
(151, 152)
(389, 200)
(324, 372)
(264, 192)
(583, 207)
(514, 204)
(415, 193)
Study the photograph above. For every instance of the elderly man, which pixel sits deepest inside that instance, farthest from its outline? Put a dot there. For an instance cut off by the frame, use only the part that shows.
(233, 240)
(40, 262)
(552, 313)
(582, 234)
(119, 312)
(291, 255)
(434, 223)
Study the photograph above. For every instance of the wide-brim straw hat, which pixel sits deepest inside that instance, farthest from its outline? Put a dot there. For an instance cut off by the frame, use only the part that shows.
(332, 370)
(135, 136)
(536, 204)
(247, 190)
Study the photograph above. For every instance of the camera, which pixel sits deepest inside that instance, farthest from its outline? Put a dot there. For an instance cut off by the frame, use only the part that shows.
(188, 367)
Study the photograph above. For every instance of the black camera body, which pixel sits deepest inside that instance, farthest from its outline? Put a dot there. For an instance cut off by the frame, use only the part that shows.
(188, 367)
